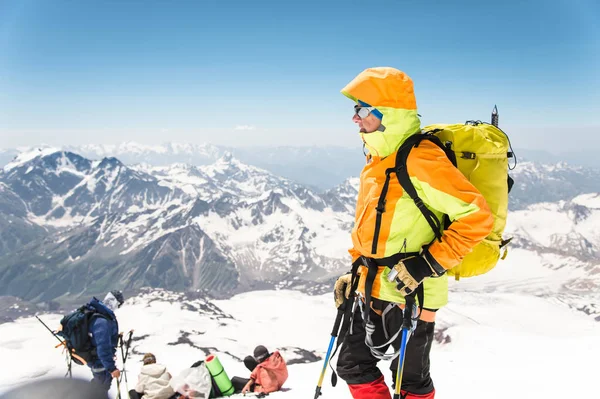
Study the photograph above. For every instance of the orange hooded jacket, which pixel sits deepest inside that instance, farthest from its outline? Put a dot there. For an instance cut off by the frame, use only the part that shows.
(441, 186)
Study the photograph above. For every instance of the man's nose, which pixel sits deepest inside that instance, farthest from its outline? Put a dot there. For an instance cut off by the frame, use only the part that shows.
(356, 118)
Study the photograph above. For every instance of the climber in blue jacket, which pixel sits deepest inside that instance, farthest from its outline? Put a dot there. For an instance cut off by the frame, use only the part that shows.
(104, 335)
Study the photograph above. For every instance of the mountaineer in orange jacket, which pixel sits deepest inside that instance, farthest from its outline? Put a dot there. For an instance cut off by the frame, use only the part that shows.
(269, 372)
(385, 111)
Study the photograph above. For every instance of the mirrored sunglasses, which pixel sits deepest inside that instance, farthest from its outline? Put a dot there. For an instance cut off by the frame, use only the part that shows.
(362, 112)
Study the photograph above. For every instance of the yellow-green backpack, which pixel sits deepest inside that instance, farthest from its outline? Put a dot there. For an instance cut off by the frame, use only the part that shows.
(480, 151)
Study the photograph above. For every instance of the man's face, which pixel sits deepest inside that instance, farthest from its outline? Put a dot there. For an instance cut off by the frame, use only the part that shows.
(368, 123)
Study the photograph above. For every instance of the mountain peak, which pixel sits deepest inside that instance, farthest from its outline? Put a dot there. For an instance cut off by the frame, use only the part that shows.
(110, 162)
(226, 162)
(28, 155)
(226, 157)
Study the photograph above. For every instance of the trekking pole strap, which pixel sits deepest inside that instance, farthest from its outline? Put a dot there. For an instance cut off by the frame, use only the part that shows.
(407, 319)
(338, 321)
(347, 317)
(348, 311)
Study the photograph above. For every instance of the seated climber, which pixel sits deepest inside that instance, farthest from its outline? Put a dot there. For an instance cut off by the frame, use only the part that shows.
(268, 372)
(153, 381)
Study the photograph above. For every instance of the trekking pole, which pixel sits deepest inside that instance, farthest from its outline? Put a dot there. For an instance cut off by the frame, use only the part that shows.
(406, 328)
(129, 339)
(69, 372)
(48, 328)
(119, 388)
(334, 334)
(124, 356)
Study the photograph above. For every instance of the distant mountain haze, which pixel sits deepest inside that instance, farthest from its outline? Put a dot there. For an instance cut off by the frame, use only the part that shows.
(321, 168)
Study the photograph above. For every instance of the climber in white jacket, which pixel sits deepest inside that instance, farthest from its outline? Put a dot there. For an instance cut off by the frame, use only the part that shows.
(153, 381)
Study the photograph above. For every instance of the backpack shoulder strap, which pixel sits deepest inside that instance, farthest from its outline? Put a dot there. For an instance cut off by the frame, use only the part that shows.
(406, 183)
(446, 147)
(91, 314)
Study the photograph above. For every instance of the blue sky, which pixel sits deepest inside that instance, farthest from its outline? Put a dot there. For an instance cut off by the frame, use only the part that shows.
(261, 72)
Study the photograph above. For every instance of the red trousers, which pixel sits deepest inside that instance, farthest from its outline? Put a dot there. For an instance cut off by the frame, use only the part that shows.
(379, 390)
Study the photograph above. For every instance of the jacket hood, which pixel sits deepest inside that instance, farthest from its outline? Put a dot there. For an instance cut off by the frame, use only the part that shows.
(153, 370)
(102, 308)
(392, 92)
(111, 301)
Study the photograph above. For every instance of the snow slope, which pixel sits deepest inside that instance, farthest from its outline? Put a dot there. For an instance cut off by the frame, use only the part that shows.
(495, 344)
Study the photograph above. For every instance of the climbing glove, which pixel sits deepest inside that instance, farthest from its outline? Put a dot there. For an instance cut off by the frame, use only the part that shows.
(341, 290)
(410, 272)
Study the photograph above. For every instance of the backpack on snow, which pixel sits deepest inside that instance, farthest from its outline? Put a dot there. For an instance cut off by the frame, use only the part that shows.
(75, 331)
(215, 392)
(480, 151)
(195, 382)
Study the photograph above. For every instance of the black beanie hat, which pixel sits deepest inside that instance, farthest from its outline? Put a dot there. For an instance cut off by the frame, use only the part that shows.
(261, 353)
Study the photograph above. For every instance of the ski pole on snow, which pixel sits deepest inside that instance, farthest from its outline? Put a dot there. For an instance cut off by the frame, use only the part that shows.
(334, 334)
(406, 328)
(124, 356)
(119, 389)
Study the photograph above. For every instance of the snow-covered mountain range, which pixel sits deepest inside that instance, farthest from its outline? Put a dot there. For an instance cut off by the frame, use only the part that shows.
(537, 182)
(70, 225)
(226, 227)
(316, 167)
(324, 168)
